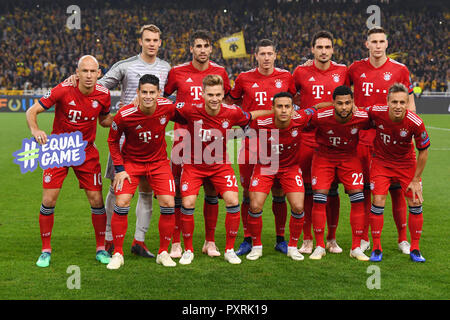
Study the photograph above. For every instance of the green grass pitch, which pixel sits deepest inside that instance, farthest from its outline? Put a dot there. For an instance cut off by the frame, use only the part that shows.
(273, 277)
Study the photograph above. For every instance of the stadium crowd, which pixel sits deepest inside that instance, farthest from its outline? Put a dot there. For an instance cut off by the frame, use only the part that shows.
(37, 50)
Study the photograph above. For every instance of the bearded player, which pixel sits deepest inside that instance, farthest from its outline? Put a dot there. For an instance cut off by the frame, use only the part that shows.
(186, 80)
(315, 82)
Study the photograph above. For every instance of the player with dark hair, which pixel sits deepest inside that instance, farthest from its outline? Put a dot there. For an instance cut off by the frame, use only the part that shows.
(315, 82)
(337, 135)
(394, 160)
(371, 78)
(143, 154)
(253, 90)
(186, 80)
(76, 109)
(281, 133)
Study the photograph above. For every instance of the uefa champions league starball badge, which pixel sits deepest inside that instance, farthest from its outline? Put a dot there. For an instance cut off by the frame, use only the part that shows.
(61, 150)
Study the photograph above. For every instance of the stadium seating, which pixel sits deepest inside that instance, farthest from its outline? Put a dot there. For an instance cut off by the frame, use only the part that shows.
(38, 51)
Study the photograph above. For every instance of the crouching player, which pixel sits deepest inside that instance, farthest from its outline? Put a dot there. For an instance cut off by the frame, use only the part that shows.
(282, 133)
(394, 160)
(337, 135)
(143, 154)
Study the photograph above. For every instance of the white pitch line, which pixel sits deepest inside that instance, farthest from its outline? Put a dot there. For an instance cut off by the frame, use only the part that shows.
(440, 149)
(437, 128)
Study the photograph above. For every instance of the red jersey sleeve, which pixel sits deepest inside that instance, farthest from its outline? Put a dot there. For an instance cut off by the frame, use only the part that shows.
(240, 117)
(421, 137)
(171, 84)
(406, 79)
(302, 118)
(236, 92)
(115, 133)
(52, 96)
(176, 116)
(226, 82)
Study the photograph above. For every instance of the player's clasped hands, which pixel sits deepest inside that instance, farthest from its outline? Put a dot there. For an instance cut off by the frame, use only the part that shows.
(119, 178)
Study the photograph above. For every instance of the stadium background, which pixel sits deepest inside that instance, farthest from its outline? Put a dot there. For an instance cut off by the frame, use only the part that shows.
(37, 52)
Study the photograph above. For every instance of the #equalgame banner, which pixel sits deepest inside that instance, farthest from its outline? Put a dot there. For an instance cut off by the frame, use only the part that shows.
(61, 150)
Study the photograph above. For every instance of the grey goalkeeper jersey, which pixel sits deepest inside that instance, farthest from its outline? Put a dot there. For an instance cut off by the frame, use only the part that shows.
(127, 73)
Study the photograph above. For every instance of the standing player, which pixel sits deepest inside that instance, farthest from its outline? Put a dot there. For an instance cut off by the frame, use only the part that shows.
(281, 133)
(76, 109)
(371, 78)
(316, 82)
(256, 88)
(186, 79)
(337, 135)
(143, 154)
(206, 158)
(394, 161)
(127, 73)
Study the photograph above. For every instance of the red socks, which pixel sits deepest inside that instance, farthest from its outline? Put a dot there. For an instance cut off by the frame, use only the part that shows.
(415, 226)
(187, 227)
(232, 221)
(255, 227)
(279, 208)
(245, 206)
(295, 228)
(98, 216)
(319, 217)
(166, 226)
(333, 206)
(307, 224)
(46, 220)
(399, 212)
(210, 212)
(119, 225)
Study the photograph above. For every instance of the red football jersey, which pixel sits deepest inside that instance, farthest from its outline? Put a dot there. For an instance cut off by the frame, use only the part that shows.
(208, 134)
(393, 140)
(257, 90)
(335, 139)
(317, 86)
(75, 111)
(187, 81)
(371, 85)
(145, 136)
(282, 144)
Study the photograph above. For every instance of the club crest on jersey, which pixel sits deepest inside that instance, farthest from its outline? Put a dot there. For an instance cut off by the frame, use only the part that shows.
(225, 124)
(387, 76)
(47, 177)
(94, 104)
(162, 120)
(354, 131)
(335, 77)
(278, 83)
(48, 94)
(403, 133)
(294, 133)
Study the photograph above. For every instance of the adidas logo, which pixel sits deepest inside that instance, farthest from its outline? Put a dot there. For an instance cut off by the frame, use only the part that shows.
(330, 132)
(255, 85)
(138, 127)
(72, 103)
(363, 75)
(312, 79)
(189, 80)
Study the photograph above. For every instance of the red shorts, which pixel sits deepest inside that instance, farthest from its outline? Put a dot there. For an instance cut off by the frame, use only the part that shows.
(382, 177)
(89, 173)
(364, 153)
(221, 176)
(305, 160)
(347, 170)
(158, 175)
(290, 180)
